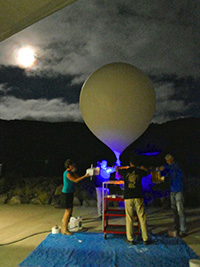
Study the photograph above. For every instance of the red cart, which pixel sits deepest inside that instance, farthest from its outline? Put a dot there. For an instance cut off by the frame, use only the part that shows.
(111, 212)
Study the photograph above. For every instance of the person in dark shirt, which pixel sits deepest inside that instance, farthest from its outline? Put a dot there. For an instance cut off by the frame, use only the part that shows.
(174, 175)
(133, 198)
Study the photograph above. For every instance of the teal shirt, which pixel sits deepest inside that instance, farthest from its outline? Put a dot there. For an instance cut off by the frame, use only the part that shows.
(68, 185)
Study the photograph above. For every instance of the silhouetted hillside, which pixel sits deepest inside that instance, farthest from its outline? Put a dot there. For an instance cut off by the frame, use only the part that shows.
(180, 137)
(30, 148)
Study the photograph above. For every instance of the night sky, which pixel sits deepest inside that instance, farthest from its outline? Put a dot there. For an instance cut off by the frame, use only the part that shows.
(160, 37)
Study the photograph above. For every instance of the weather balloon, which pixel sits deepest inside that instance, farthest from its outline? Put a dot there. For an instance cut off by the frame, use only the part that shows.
(117, 103)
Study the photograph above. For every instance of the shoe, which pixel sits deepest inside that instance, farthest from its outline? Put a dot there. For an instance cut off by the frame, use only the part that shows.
(173, 233)
(147, 242)
(182, 234)
(130, 242)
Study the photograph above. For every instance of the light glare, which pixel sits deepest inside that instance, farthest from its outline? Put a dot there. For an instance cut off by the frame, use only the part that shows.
(26, 57)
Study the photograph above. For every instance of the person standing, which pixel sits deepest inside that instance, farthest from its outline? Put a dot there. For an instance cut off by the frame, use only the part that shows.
(174, 175)
(133, 198)
(104, 175)
(69, 178)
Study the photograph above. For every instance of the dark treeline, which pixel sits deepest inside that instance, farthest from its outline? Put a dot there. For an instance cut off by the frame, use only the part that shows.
(32, 149)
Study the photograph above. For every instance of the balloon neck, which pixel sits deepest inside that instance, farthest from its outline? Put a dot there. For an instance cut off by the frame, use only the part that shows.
(117, 155)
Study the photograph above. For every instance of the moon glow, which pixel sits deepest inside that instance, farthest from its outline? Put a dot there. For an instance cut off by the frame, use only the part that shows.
(26, 57)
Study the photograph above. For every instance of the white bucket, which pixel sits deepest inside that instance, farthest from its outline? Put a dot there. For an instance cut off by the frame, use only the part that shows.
(75, 224)
(194, 263)
(56, 229)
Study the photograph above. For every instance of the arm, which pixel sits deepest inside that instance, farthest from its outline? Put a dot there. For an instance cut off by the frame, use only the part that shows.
(145, 169)
(120, 171)
(158, 175)
(161, 179)
(122, 167)
(110, 169)
(76, 178)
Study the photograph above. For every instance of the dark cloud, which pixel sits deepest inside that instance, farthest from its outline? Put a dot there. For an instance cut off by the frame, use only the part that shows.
(16, 82)
(176, 97)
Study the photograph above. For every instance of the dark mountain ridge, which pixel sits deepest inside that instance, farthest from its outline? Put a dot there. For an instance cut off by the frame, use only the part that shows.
(32, 149)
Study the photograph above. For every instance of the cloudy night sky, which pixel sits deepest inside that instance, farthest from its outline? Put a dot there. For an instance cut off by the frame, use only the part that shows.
(160, 37)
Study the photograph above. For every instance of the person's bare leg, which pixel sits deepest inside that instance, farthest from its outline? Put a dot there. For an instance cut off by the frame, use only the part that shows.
(65, 222)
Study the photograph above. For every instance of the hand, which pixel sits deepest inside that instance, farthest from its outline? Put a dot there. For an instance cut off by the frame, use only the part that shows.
(162, 168)
(162, 178)
(86, 175)
(143, 168)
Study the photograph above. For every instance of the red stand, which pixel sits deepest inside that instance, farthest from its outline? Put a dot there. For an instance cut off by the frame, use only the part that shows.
(110, 212)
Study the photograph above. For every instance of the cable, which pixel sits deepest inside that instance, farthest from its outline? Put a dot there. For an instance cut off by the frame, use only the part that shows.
(23, 238)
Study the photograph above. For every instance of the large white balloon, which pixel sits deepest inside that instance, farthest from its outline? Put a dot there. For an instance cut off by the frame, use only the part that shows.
(117, 103)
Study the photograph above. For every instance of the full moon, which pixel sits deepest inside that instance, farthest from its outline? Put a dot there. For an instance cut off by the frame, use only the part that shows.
(26, 57)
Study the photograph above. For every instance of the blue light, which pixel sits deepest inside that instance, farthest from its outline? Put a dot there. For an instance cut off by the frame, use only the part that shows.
(150, 153)
(147, 183)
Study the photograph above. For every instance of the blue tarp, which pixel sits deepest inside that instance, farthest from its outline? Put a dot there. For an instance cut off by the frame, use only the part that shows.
(92, 250)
